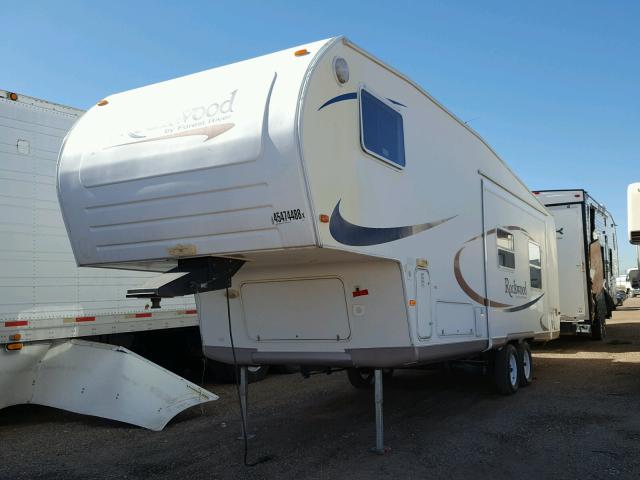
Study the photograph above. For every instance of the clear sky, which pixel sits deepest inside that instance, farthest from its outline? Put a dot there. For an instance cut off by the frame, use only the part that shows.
(553, 86)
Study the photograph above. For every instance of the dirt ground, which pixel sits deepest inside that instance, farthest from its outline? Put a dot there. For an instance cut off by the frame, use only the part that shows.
(579, 419)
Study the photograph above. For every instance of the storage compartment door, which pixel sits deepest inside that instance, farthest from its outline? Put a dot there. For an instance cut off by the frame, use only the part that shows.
(455, 318)
(301, 309)
(423, 303)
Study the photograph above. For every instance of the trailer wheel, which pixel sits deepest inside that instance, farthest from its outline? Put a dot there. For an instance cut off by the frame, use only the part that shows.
(525, 364)
(224, 372)
(598, 329)
(506, 371)
(257, 372)
(363, 377)
(360, 377)
(599, 325)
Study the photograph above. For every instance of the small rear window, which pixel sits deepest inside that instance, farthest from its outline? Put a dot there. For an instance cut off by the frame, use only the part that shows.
(382, 132)
(535, 265)
(506, 251)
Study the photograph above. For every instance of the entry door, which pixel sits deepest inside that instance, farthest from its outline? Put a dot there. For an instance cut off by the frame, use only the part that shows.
(571, 274)
(423, 302)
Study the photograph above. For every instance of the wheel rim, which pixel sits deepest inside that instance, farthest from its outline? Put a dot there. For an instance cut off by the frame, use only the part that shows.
(526, 364)
(513, 370)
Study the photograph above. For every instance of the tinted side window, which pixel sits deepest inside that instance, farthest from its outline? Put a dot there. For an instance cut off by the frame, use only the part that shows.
(382, 129)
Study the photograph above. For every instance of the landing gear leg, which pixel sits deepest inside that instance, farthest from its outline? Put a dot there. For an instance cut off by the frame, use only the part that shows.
(379, 448)
(244, 388)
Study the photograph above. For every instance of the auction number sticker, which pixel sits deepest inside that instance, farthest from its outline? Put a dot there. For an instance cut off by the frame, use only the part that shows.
(287, 216)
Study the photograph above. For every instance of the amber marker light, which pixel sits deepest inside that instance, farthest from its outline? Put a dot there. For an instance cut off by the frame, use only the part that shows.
(301, 53)
(13, 96)
(15, 337)
(14, 346)
(324, 218)
(102, 103)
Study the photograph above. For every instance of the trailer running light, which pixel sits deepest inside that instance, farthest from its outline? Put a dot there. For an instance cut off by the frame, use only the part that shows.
(359, 293)
(324, 218)
(301, 53)
(13, 96)
(412, 303)
(536, 193)
(85, 319)
(190, 312)
(16, 323)
(143, 315)
(14, 346)
(15, 337)
(102, 103)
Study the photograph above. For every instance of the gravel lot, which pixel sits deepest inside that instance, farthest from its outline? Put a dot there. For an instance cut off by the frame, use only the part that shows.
(580, 419)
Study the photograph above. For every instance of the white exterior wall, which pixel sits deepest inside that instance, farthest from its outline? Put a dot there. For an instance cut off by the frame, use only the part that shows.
(441, 180)
(193, 166)
(310, 158)
(445, 165)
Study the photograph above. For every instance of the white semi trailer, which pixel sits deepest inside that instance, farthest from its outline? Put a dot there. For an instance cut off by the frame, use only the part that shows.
(47, 303)
(633, 213)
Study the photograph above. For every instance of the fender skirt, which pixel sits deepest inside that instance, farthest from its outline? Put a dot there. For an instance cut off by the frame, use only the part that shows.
(96, 379)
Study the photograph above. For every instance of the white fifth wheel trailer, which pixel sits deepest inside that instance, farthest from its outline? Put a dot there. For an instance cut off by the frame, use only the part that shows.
(340, 215)
(587, 260)
(47, 303)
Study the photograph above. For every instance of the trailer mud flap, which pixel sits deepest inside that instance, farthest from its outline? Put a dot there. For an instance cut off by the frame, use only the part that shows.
(96, 379)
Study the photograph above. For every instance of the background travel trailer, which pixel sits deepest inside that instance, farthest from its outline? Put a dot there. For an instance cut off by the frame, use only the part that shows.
(587, 260)
(45, 299)
(633, 214)
(368, 227)
(623, 283)
(633, 279)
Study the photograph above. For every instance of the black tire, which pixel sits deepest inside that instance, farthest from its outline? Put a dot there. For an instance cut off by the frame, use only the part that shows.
(525, 364)
(360, 377)
(599, 325)
(506, 374)
(258, 373)
(598, 329)
(224, 372)
(364, 377)
(285, 369)
(387, 373)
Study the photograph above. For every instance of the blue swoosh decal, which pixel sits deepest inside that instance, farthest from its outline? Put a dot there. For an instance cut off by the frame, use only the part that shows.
(348, 233)
(351, 96)
(397, 103)
(339, 98)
